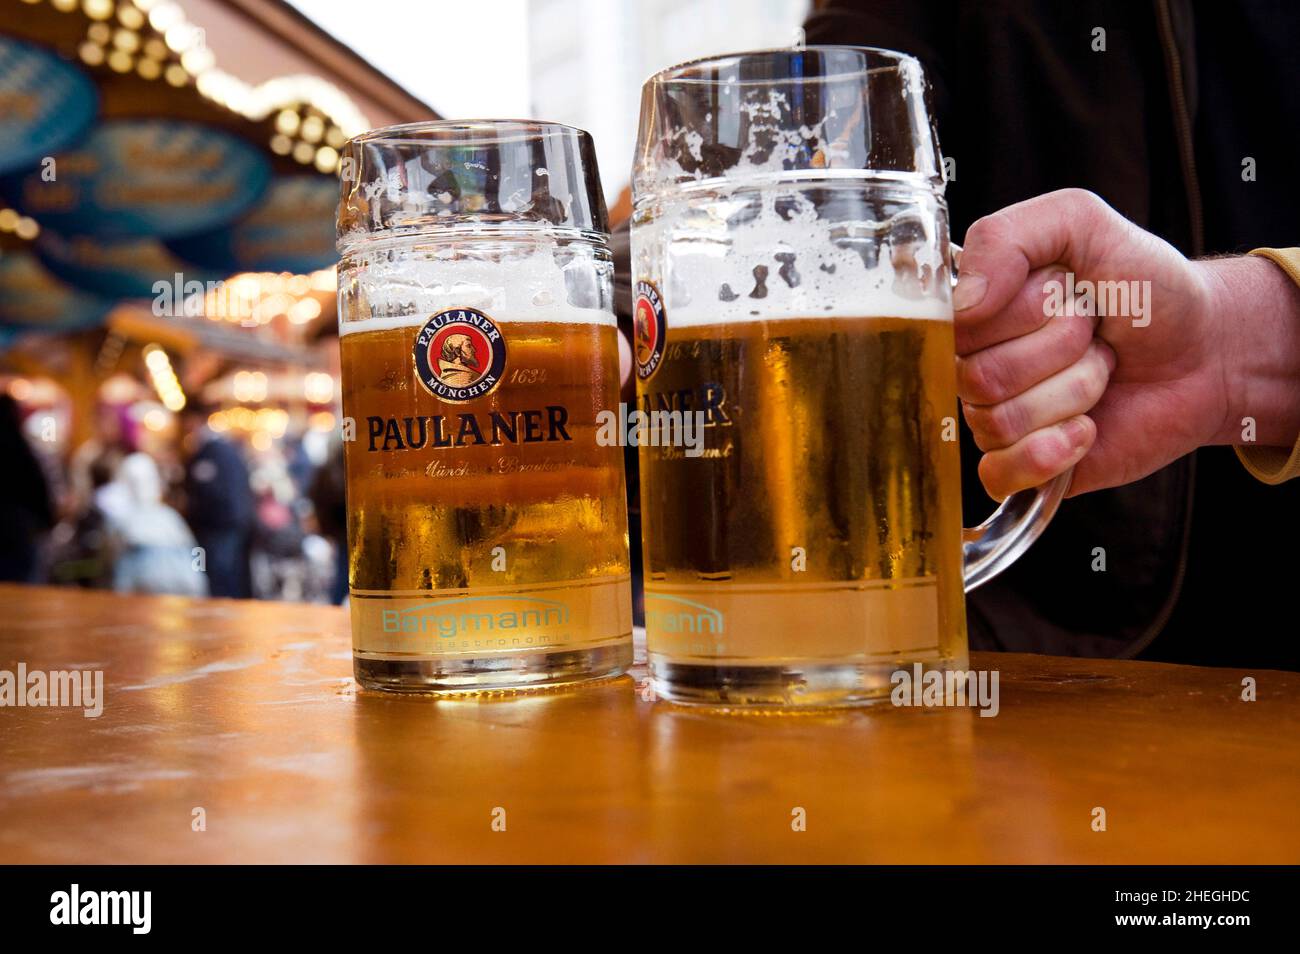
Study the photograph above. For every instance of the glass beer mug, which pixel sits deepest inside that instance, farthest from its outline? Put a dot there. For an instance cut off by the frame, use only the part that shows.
(487, 526)
(793, 276)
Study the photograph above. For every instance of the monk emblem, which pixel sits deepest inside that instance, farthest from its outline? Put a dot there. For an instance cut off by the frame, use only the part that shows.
(458, 365)
(649, 328)
(460, 355)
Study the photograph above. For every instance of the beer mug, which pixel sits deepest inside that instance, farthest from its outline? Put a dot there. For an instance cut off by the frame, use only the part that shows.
(793, 277)
(487, 527)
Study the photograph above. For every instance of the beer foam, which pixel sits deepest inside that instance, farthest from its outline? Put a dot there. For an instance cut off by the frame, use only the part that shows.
(792, 265)
(403, 290)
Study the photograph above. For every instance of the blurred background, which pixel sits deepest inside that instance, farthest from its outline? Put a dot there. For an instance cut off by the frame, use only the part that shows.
(168, 341)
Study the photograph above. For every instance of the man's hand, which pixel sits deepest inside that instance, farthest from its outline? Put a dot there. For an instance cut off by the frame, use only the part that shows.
(1199, 346)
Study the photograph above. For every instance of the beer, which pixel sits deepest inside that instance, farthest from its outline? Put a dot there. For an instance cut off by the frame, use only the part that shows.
(822, 523)
(496, 499)
(493, 499)
(487, 525)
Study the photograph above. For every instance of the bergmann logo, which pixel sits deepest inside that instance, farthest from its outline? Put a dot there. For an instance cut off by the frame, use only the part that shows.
(433, 617)
(697, 619)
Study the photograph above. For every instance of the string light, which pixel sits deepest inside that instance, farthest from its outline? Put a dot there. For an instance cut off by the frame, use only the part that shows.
(130, 16)
(20, 225)
(92, 54)
(327, 159)
(120, 61)
(318, 387)
(98, 9)
(126, 40)
(163, 377)
(318, 113)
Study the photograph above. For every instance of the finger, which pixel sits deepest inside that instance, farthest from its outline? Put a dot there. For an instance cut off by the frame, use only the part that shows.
(1037, 457)
(1075, 390)
(1003, 248)
(624, 359)
(1004, 370)
(1024, 315)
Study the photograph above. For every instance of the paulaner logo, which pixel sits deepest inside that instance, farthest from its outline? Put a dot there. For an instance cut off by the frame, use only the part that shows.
(103, 907)
(455, 617)
(459, 355)
(467, 430)
(649, 328)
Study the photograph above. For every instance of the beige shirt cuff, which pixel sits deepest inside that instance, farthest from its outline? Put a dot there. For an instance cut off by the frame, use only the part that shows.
(1274, 465)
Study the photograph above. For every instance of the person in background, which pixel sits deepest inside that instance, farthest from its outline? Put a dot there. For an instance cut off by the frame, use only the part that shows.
(328, 496)
(26, 510)
(154, 548)
(219, 505)
(1153, 107)
(280, 568)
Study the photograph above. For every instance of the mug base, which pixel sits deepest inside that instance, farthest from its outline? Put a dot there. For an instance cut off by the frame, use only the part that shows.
(788, 686)
(501, 672)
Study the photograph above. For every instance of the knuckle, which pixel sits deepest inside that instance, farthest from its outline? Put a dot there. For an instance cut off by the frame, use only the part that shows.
(1084, 199)
(986, 230)
(1076, 335)
(1094, 212)
(1006, 421)
(976, 420)
(1093, 383)
(981, 379)
(1085, 386)
(992, 476)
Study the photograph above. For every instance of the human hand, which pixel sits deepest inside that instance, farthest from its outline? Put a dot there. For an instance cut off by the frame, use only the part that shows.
(1170, 360)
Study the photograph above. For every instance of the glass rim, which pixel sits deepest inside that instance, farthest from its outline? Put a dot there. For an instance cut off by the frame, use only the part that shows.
(428, 132)
(675, 74)
(489, 173)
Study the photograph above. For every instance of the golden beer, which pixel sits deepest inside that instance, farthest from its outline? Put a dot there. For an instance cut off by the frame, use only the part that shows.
(821, 524)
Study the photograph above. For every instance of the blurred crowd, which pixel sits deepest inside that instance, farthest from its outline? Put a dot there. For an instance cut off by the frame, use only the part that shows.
(204, 514)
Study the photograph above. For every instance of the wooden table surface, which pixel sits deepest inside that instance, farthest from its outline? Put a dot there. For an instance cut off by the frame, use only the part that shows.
(248, 711)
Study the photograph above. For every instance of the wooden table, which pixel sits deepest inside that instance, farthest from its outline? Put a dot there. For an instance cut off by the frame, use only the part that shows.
(248, 711)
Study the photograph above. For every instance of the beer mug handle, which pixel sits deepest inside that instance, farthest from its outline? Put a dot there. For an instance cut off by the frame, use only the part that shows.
(999, 541)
